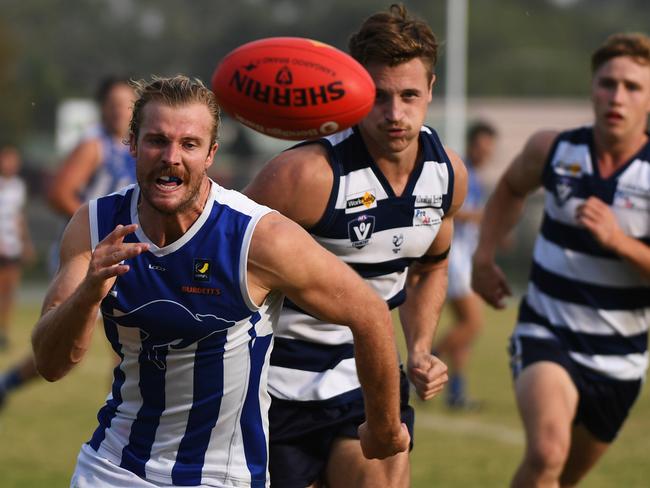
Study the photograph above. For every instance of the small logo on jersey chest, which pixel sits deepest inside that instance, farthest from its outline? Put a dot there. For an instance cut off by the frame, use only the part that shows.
(360, 230)
(425, 216)
(202, 270)
(563, 190)
(428, 201)
(398, 240)
(358, 202)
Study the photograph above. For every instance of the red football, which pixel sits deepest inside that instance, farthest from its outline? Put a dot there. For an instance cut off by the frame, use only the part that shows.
(293, 88)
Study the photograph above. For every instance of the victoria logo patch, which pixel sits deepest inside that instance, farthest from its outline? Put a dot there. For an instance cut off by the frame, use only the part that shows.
(360, 230)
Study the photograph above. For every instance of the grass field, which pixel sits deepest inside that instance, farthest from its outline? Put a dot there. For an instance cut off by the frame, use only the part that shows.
(43, 426)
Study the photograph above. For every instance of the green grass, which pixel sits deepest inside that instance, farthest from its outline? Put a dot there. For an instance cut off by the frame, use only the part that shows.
(43, 426)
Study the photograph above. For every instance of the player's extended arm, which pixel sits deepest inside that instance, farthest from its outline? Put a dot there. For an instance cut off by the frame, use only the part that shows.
(426, 288)
(73, 176)
(284, 257)
(62, 335)
(600, 220)
(502, 212)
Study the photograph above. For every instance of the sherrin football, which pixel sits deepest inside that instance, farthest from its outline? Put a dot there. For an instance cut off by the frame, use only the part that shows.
(293, 88)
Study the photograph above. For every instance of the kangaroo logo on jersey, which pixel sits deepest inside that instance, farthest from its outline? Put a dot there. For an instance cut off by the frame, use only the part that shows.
(175, 327)
(563, 190)
(360, 230)
(202, 269)
(358, 202)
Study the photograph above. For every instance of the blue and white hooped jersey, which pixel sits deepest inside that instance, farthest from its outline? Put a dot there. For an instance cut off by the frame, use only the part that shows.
(116, 170)
(378, 234)
(189, 398)
(592, 300)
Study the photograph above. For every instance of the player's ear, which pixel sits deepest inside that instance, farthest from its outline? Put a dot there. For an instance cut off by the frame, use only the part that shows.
(210, 158)
(132, 144)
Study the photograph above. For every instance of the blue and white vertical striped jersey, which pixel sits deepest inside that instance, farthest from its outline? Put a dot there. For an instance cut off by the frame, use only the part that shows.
(592, 300)
(116, 170)
(378, 234)
(189, 398)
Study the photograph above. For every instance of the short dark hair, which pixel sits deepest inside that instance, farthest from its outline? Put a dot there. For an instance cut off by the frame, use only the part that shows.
(635, 45)
(479, 128)
(107, 84)
(174, 91)
(393, 37)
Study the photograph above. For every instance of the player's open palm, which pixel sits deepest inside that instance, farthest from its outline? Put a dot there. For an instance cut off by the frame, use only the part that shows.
(381, 447)
(107, 261)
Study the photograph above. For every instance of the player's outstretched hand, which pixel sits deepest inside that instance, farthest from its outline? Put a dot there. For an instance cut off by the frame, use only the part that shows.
(599, 219)
(490, 283)
(427, 373)
(382, 446)
(106, 262)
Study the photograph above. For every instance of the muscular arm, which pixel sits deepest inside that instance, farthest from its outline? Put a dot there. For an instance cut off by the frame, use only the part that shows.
(284, 257)
(62, 335)
(297, 183)
(503, 211)
(426, 288)
(73, 176)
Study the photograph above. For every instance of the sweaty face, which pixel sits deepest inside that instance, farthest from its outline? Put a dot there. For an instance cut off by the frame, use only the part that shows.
(403, 96)
(117, 109)
(173, 152)
(620, 93)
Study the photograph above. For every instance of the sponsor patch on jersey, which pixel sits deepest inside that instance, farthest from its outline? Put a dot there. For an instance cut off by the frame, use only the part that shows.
(631, 201)
(360, 230)
(202, 269)
(425, 216)
(357, 202)
(434, 201)
(572, 169)
(200, 290)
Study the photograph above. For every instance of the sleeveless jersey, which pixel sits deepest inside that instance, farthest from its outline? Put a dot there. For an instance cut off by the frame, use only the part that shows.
(378, 234)
(12, 202)
(592, 300)
(189, 398)
(116, 170)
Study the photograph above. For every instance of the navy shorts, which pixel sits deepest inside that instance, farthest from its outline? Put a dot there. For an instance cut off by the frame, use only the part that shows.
(603, 403)
(301, 435)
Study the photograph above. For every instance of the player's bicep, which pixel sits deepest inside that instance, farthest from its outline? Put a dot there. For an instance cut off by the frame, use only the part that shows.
(284, 257)
(75, 252)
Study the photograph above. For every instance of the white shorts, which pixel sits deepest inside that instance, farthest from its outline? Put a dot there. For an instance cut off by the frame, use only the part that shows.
(459, 283)
(94, 471)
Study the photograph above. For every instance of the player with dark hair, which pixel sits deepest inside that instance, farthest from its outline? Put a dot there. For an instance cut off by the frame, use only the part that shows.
(466, 305)
(189, 278)
(381, 196)
(100, 164)
(579, 349)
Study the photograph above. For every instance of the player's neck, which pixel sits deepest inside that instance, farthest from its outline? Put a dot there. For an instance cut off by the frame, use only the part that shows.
(398, 166)
(165, 228)
(612, 153)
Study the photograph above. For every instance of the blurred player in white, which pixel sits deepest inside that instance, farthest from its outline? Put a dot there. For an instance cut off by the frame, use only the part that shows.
(100, 164)
(381, 196)
(579, 350)
(467, 306)
(15, 243)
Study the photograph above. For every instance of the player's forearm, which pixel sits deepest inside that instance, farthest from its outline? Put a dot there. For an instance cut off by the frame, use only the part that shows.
(62, 335)
(376, 359)
(633, 251)
(420, 313)
(501, 214)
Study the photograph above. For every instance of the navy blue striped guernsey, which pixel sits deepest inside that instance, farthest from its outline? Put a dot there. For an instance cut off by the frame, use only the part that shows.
(589, 298)
(378, 234)
(189, 403)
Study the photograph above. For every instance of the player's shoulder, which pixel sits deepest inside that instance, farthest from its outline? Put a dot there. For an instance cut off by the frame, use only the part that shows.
(302, 164)
(540, 143)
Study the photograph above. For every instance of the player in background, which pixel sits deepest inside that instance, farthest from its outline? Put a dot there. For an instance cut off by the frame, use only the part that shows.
(15, 243)
(190, 279)
(100, 164)
(381, 196)
(467, 307)
(579, 349)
